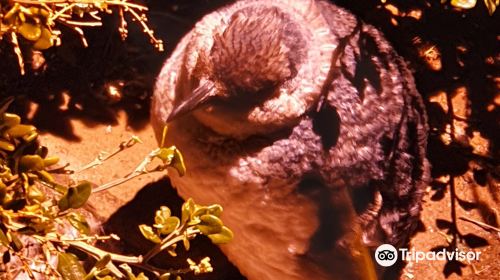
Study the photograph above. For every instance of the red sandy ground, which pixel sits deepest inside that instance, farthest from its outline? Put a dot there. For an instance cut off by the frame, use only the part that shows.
(101, 138)
(455, 58)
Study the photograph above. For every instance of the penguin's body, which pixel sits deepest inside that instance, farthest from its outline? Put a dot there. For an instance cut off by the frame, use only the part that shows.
(305, 125)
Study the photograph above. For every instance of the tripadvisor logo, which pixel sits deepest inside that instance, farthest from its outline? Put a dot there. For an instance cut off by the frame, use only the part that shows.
(386, 255)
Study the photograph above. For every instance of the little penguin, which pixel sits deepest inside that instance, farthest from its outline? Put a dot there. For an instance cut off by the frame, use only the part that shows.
(306, 126)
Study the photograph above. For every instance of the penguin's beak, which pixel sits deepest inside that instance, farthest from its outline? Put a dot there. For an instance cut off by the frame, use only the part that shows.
(195, 100)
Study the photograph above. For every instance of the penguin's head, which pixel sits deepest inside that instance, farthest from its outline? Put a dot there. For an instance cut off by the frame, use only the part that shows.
(253, 70)
(250, 56)
(247, 62)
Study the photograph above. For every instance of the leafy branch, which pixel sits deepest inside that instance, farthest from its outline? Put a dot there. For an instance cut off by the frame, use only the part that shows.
(37, 210)
(38, 22)
(166, 232)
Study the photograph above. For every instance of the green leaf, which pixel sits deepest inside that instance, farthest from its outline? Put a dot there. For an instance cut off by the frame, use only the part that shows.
(141, 276)
(30, 31)
(45, 41)
(169, 225)
(11, 119)
(79, 222)
(30, 137)
(32, 162)
(69, 267)
(4, 239)
(75, 197)
(100, 264)
(35, 194)
(39, 11)
(187, 209)
(8, 201)
(166, 155)
(128, 270)
(130, 274)
(50, 161)
(7, 146)
(178, 162)
(47, 177)
(171, 250)
(214, 209)
(162, 215)
(16, 243)
(186, 243)
(3, 191)
(225, 236)
(165, 276)
(210, 224)
(21, 130)
(149, 234)
(105, 272)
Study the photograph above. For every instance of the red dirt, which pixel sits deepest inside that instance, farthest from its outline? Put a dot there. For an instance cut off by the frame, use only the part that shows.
(455, 58)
